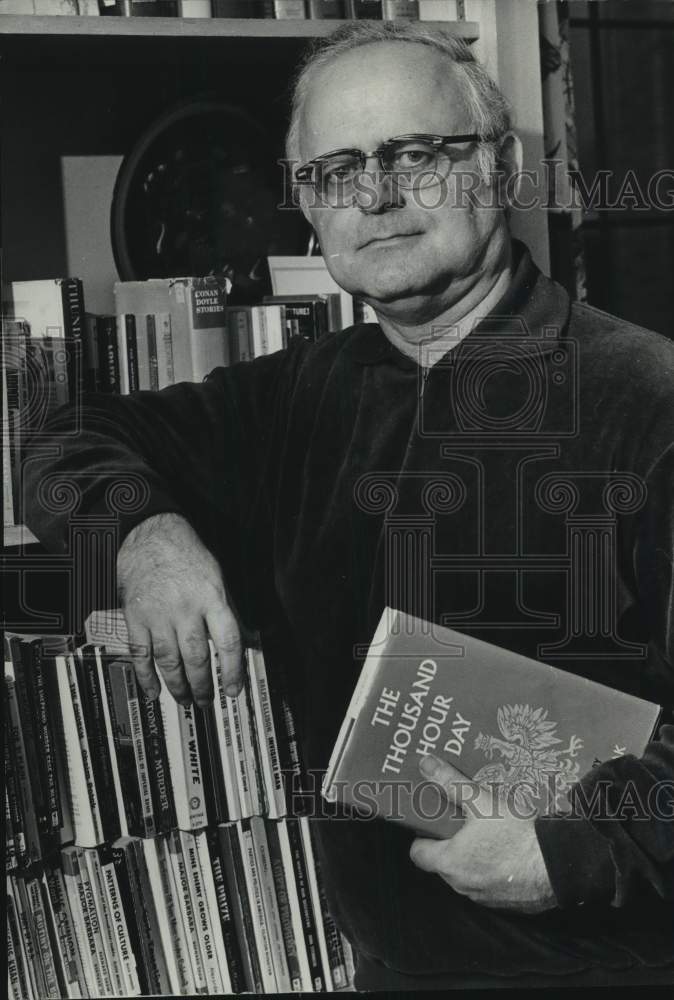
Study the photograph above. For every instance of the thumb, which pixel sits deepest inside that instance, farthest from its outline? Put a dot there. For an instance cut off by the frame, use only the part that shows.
(470, 797)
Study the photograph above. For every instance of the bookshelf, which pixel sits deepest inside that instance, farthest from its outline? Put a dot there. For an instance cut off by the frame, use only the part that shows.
(189, 27)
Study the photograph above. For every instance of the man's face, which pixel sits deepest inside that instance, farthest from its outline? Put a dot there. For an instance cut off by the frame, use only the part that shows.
(408, 255)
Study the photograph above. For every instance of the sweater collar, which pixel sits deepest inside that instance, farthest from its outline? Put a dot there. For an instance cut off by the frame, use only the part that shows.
(532, 305)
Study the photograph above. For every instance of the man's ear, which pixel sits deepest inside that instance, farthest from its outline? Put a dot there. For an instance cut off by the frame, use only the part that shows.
(510, 158)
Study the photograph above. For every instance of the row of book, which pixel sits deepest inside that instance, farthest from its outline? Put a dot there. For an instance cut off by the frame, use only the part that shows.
(88, 758)
(231, 909)
(153, 847)
(278, 9)
(165, 331)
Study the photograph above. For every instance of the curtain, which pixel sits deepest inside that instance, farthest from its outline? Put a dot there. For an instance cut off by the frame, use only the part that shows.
(567, 260)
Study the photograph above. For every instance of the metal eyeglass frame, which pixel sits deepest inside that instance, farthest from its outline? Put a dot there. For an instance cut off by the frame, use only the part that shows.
(304, 174)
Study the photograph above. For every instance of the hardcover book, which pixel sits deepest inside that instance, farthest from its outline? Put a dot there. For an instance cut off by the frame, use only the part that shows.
(527, 729)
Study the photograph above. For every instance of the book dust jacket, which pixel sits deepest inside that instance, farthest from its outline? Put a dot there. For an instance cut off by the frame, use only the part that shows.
(527, 729)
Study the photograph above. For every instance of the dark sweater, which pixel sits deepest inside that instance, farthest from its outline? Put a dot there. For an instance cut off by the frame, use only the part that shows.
(303, 470)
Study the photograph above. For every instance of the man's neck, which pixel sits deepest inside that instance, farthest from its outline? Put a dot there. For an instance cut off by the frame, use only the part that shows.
(427, 342)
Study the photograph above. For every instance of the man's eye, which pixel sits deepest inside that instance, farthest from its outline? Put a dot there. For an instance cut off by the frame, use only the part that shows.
(407, 159)
(339, 172)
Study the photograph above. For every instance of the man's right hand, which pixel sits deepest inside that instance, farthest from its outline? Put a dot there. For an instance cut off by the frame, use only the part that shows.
(173, 597)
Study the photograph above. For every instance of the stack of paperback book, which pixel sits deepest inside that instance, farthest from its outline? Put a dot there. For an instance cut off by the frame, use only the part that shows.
(151, 847)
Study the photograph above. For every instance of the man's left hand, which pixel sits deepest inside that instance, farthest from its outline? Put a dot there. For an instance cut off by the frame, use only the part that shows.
(494, 858)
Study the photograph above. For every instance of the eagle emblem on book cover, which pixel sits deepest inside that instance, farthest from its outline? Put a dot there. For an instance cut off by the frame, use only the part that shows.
(528, 763)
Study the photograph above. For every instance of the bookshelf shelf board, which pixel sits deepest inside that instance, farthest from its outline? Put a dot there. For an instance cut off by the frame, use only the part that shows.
(18, 534)
(190, 27)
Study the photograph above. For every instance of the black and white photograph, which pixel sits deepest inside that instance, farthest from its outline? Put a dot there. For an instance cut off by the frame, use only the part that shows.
(338, 496)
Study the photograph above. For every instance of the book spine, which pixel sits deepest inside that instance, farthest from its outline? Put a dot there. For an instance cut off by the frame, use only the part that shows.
(91, 362)
(10, 844)
(260, 335)
(22, 944)
(46, 745)
(150, 848)
(223, 899)
(270, 903)
(117, 811)
(153, 357)
(120, 851)
(142, 769)
(103, 911)
(170, 716)
(165, 363)
(333, 939)
(205, 302)
(33, 850)
(201, 914)
(108, 352)
(66, 832)
(224, 736)
(121, 933)
(232, 860)
(91, 830)
(369, 9)
(194, 782)
(289, 9)
(186, 909)
(255, 895)
(72, 297)
(239, 321)
(178, 939)
(55, 889)
(150, 938)
(274, 316)
(95, 721)
(305, 832)
(300, 870)
(93, 909)
(120, 741)
(32, 950)
(212, 909)
(79, 908)
(204, 724)
(160, 778)
(12, 794)
(23, 678)
(242, 775)
(131, 345)
(14, 982)
(288, 903)
(400, 10)
(266, 734)
(326, 8)
(44, 953)
(252, 751)
(142, 353)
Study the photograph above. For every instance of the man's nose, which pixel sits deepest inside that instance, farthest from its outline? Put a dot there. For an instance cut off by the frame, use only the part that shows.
(376, 190)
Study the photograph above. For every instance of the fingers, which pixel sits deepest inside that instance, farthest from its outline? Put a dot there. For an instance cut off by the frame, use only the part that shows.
(140, 646)
(472, 798)
(224, 631)
(196, 657)
(168, 659)
(428, 854)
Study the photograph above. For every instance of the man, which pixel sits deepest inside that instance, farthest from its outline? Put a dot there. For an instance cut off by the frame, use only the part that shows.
(483, 402)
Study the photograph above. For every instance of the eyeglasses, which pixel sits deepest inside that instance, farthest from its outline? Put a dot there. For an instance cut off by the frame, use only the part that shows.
(410, 160)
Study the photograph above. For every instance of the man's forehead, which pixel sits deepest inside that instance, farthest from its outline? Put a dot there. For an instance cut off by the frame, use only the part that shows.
(376, 91)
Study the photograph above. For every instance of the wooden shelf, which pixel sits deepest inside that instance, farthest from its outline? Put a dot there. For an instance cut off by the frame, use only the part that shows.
(190, 27)
(18, 534)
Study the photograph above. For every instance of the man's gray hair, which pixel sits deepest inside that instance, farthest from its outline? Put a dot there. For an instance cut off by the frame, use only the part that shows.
(490, 111)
